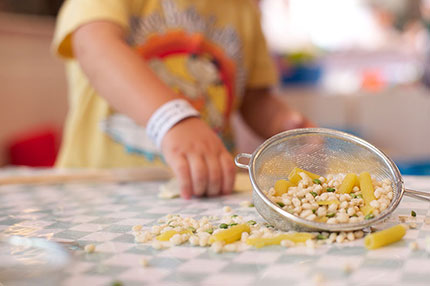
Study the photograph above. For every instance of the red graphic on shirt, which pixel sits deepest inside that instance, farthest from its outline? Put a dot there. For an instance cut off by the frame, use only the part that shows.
(197, 69)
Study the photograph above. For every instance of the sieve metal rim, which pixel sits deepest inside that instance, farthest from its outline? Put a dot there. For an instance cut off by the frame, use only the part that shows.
(311, 225)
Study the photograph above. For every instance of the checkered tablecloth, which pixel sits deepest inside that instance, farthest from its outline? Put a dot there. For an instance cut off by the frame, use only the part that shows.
(103, 214)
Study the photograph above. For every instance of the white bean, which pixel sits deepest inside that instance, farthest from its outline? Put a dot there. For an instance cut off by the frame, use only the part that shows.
(307, 206)
(350, 236)
(358, 234)
(321, 211)
(342, 218)
(351, 211)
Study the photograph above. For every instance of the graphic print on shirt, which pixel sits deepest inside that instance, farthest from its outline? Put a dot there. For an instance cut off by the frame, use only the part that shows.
(199, 61)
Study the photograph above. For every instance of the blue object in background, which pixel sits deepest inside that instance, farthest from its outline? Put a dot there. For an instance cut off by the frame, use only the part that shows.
(298, 68)
(414, 168)
(309, 74)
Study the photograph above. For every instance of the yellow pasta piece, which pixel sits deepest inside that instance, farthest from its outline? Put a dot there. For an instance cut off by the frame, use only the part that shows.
(230, 235)
(367, 191)
(295, 178)
(367, 209)
(385, 237)
(259, 242)
(348, 183)
(321, 219)
(329, 202)
(366, 187)
(281, 187)
(167, 235)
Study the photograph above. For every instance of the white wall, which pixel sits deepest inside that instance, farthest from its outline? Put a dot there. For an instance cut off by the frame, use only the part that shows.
(396, 120)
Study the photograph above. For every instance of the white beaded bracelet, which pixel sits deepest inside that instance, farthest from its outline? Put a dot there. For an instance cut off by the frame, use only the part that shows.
(167, 116)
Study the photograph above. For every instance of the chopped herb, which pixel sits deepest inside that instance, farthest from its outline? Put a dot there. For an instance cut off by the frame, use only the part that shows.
(354, 196)
(321, 237)
(251, 205)
(235, 215)
(313, 194)
(210, 231)
(413, 213)
(317, 181)
(281, 204)
(117, 283)
(192, 229)
(269, 226)
(360, 196)
(223, 225)
(331, 190)
(331, 215)
(233, 224)
(354, 215)
(251, 222)
(369, 216)
(314, 211)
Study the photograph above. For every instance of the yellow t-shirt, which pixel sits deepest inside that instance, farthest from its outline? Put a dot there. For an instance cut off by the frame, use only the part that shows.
(207, 51)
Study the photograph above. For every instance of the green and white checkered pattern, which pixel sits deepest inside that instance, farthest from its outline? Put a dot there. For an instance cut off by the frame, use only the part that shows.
(103, 214)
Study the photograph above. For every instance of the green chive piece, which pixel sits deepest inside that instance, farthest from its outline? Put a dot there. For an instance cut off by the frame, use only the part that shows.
(360, 196)
(317, 181)
(321, 237)
(223, 225)
(354, 196)
(192, 229)
(413, 213)
(369, 216)
(251, 222)
(354, 215)
(251, 205)
(210, 231)
(313, 194)
(331, 215)
(314, 211)
(235, 215)
(233, 224)
(281, 204)
(331, 190)
(269, 226)
(117, 283)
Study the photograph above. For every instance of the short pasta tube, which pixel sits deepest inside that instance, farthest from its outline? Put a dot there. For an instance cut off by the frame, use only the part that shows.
(281, 187)
(167, 235)
(259, 242)
(230, 235)
(367, 190)
(385, 237)
(348, 183)
(295, 178)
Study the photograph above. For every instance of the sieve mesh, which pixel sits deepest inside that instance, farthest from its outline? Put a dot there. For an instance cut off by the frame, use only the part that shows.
(320, 151)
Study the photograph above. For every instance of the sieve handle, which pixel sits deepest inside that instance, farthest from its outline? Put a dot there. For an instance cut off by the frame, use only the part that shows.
(424, 196)
(240, 156)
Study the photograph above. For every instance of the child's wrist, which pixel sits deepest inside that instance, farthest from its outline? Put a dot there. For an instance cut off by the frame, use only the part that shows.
(167, 116)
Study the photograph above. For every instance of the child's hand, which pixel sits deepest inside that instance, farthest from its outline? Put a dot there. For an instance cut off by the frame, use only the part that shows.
(199, 159)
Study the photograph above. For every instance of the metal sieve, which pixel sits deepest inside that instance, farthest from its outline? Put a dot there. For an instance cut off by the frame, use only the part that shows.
(320, 151)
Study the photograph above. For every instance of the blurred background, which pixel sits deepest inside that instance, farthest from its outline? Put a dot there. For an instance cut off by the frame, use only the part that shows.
(354, 65)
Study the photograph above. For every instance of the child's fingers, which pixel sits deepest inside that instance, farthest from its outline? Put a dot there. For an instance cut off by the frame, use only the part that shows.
(215, 175)
(228, 172)
(179, 165)
(199, 174)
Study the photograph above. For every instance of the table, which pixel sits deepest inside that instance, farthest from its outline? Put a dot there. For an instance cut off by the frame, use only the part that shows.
(103, 214)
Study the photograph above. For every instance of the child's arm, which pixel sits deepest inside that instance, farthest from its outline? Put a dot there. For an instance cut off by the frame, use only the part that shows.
(193, 151)
(274, 115)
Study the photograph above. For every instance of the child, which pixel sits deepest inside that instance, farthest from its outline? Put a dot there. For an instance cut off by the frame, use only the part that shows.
(162, 77)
